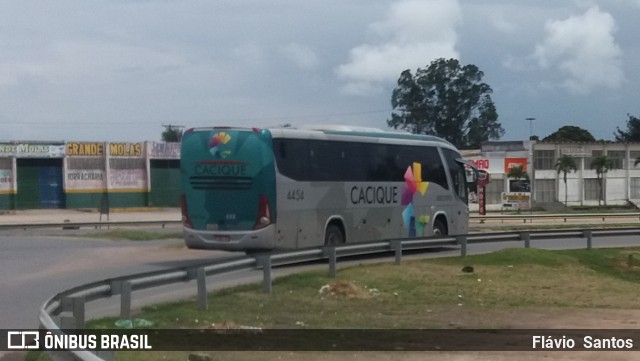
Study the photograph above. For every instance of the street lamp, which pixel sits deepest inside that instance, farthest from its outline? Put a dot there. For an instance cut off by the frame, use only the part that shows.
(530, 127)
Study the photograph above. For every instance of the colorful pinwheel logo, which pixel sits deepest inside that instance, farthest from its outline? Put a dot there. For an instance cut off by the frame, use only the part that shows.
(217, 139)
(413, 183)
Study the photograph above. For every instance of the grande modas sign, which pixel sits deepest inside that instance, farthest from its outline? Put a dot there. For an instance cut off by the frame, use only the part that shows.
(516, 200)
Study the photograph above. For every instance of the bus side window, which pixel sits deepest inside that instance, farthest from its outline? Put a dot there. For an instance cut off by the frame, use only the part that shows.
(382, 165)
(432, 167)
(292, 158)
(324, 161)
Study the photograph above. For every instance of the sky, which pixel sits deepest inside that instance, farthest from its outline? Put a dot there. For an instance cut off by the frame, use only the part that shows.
(119, 70)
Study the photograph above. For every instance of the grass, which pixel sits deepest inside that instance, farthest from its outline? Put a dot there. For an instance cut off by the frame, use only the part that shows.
(513, 227)
(604, 209)
(132, 235)
(429, 293)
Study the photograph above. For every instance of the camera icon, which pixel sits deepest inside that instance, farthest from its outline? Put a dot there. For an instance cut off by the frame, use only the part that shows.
(23, 340)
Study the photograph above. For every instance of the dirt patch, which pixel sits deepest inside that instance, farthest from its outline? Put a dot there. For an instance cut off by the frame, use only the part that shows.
(341, 288)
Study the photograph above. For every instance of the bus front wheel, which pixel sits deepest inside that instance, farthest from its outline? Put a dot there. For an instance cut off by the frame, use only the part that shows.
(333, 236)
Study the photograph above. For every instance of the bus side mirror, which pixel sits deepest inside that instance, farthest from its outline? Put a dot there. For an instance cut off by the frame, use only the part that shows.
(471, 175)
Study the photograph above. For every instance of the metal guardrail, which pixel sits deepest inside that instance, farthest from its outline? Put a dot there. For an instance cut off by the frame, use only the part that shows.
(66, 310)
(564, 216)
(164, 223)
(475, 218)
(96, 225)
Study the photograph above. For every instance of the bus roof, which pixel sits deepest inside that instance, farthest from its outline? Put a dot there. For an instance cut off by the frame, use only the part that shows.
(349, 131)
(337, 130)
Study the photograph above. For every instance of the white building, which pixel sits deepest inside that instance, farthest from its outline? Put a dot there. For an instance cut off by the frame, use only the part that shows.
(622, 182)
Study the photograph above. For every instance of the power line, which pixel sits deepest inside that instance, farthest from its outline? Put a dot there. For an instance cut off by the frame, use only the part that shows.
(270, 118)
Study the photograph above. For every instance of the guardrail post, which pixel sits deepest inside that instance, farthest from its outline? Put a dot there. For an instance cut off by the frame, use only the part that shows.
(264, 260)
(462, 241)
(330, 253)
(76, 306)
(526, 237)
(78, 311)
(203, 302)
(67, 323)
(125, 300)
(397, 247)
(588, 234)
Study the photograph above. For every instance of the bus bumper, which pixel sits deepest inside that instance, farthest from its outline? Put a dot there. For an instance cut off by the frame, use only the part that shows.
(262, 239)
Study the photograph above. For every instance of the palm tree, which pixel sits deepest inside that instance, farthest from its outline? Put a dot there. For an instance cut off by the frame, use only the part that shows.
(601, 164)
(566, 164)
(518, 173)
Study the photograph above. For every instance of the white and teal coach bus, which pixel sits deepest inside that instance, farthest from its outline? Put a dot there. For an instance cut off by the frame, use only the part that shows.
(250, 189)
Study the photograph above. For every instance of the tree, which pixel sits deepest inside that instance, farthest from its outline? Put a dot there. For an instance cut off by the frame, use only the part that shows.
(601, 164)
(632, 134)
(566, 164)
(570, 133)
(446, 100)
(172, 133)
(518, 173)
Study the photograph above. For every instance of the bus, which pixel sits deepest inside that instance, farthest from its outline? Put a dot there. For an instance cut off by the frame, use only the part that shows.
(252, 189)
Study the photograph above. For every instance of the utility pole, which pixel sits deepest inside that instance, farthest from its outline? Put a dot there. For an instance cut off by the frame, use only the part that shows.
(530, 127)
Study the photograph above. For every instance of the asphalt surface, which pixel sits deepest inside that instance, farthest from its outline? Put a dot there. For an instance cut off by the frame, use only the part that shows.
(35, 264)
(72, 215)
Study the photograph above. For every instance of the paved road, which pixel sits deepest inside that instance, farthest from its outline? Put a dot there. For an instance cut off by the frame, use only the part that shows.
(33, 269)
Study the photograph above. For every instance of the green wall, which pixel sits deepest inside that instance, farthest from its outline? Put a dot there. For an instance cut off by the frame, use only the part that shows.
(7, 201)
(39, 184)
(83, 200)
(165, 183)
(34, 179)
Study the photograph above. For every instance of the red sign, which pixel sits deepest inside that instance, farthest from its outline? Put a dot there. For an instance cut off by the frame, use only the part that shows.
(482, 205)
(481, 163)
(515, 162)
(483, 178)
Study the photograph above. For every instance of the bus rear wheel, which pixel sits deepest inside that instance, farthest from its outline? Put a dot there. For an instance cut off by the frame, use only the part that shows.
(439, 228)
(333, 236)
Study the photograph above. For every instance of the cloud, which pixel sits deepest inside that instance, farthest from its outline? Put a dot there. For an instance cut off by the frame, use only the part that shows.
(302, 56)
(501, 22)
(414, 33)
(584, 50)
(87, 62)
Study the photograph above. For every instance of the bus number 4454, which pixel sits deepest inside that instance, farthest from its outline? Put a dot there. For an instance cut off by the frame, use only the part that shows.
(295, 195)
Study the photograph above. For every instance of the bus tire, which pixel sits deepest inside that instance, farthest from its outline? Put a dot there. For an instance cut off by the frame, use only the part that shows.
(439, 227)
(333, 236)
